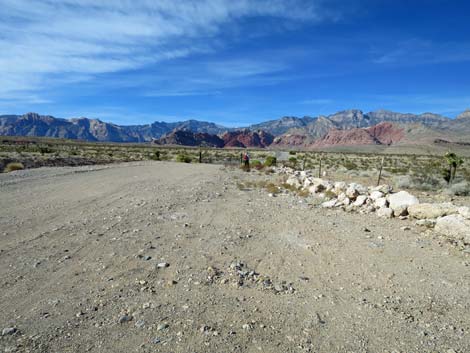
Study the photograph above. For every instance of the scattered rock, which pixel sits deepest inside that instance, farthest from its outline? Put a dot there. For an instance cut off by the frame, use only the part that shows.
(161, 327)
(294, 181)
(428, 223)
(431, 210)
(374, 195)
(400, 202)
(454, 226)
(381, 202)
(360, 200)
(139, 323)
(247, 327)
(125, 318)
(385, 212)
(329, 204)
(464, 212)
(163, 265)
(384, 189)
(9, 331)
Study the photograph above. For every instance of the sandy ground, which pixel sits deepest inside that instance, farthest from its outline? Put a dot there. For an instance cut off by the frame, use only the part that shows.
(80, 248)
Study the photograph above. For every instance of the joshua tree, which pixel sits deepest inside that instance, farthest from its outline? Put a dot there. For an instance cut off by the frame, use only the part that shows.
(453, 161)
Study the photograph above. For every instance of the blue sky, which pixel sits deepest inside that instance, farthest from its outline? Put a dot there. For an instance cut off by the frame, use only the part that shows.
(233, 62)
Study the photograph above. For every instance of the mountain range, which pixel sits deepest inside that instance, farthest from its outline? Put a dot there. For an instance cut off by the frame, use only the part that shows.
(349, 127)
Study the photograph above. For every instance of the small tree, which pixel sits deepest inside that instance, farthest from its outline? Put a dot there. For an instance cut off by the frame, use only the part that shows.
(453, 161)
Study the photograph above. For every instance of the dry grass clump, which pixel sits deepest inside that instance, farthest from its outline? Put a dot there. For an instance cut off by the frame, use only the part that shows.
(10, 167)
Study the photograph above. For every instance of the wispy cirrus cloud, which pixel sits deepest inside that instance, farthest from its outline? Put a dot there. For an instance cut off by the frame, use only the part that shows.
(420, 51)
(50, 43)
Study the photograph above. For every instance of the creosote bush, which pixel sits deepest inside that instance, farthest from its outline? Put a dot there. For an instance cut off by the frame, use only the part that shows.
(183, 158)
(270, 161)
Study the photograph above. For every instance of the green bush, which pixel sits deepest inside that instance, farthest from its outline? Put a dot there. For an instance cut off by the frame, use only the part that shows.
(270, 161)
(183, 158)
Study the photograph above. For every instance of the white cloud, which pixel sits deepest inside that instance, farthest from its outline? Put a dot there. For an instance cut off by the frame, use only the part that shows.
(46, 42)
(419, 51)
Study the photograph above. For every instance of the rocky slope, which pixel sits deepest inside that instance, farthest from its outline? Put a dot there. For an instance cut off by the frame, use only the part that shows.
(380, 134)
(282, 125)
(188, 138)
(247, 138)
(33, 124)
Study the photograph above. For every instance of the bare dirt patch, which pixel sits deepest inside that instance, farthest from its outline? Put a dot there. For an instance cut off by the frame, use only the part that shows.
(168, 257)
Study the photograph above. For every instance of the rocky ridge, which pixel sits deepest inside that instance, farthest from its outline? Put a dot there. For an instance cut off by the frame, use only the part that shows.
(285, 132)
(446, 218)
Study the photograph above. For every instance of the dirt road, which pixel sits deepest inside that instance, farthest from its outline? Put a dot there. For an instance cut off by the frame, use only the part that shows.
(165, 257)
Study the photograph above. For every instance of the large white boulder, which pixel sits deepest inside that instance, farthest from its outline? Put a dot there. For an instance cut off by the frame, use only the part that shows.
(307, 182)
(343, 199)
(464, 212)
(319, 185)
(381, 202)
(384, 189)
(374, 195)
(431, 210)
(294, 181)
(385, 212)
(360, 200)
(329, 204)
(454, 226)
(339, 187)
(353, 191)
(400, 201)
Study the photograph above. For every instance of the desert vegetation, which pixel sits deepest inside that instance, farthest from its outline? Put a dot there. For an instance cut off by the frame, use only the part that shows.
(447, 172)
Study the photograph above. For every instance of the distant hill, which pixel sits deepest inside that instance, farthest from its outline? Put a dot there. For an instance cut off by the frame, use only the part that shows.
(285, 132)
(33, 124)
(384, 133)
(189, 138)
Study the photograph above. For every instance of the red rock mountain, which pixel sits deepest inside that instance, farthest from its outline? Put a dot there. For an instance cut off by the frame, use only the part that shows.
(247, 138)
(188, 138)
(380, 134)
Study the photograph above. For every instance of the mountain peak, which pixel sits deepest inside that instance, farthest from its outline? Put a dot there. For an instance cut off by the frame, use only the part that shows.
(464, 115)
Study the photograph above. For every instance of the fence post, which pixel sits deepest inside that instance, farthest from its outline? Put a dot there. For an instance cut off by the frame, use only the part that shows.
(380, 170)
(319, 169)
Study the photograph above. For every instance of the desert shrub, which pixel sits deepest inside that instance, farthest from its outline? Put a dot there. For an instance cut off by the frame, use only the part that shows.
(183, 158)
(418, 182)
(303, 193)
(289, 187)
(10, 167)
(272, 188)
(256, 163)
(292, 153)
(349, 165)
(270, 161)
(155, 156)
(459, 189)
(293, 162)
(402, 181)
(44, 150)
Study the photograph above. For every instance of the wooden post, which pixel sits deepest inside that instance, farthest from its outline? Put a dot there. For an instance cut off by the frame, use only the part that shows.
(200, 156)
(380, 171)
(303, 163)
(319, 169)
